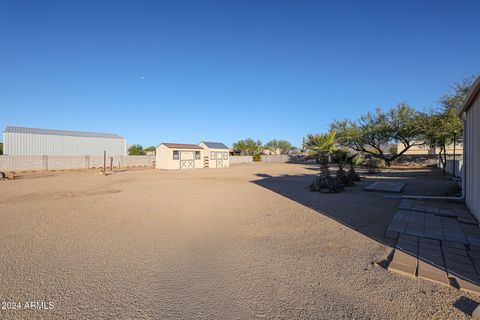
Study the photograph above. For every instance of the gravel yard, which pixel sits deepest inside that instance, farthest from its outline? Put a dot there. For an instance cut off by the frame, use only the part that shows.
(245, 242)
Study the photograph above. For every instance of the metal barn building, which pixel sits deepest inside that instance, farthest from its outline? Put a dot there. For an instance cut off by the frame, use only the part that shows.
(471, 147)
(40, 142)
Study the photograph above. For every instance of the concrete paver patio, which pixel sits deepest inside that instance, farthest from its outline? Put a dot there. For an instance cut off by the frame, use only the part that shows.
(438, 242)
(383, 186)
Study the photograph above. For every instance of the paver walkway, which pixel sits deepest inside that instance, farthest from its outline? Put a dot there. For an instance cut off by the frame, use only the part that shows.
(438, 242)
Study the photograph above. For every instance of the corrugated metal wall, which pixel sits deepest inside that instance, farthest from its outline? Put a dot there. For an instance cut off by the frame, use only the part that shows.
(472, 159)
(56, 145)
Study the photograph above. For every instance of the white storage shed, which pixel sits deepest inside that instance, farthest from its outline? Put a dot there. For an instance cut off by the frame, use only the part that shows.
(216, 154)
(48, 142)
(471, 149)
(173, 156)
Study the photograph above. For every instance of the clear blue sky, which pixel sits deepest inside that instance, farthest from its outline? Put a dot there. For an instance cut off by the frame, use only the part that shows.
(185, 71)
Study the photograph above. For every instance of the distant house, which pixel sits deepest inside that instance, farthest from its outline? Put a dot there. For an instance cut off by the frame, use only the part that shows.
(424, 150)
(470, 112)
(20, 141)
(216, 154)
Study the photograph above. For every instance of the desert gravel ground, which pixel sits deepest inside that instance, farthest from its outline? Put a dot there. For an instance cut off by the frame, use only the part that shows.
(248, 242)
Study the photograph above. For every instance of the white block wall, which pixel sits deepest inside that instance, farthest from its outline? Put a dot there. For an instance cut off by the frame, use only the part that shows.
(45, 163)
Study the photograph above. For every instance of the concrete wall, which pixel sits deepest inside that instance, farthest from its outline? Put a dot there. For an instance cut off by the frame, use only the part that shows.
(450, 165)
(472, 158)
(276, 158)
(265, 158)
(240, 159)
(44, 163)
(427, 150)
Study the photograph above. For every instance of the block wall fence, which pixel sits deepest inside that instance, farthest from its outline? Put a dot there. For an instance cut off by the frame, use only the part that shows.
(45, 163)
(10, 163)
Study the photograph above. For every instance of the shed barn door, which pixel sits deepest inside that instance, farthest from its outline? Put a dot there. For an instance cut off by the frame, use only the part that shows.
(187, 159)
(219, 160)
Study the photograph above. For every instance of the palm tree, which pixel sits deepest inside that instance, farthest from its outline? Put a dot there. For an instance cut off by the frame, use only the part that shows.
(321, 144)
(340, 157)
(354, 161)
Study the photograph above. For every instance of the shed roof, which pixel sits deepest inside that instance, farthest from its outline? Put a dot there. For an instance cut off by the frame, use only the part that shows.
(215, 145)
(53, 132)
(181, 146)
(471, 96)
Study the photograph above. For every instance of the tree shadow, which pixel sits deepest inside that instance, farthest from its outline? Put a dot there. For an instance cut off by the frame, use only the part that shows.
(366, 212)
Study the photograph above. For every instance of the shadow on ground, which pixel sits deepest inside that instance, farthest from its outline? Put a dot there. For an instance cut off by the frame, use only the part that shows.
(366, 212)
(370, 213)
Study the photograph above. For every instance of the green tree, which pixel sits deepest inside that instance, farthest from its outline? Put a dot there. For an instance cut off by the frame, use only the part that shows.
(151, 148)
(136, 150)
(444, 126)
(371, 132)
(248, 146)
(1, 148)
(282, 146)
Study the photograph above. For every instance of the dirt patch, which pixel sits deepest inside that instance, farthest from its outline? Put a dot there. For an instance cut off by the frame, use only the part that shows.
(246, 242)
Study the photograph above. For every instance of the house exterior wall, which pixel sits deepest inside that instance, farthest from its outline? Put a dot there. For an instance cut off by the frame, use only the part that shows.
(164, 158)
(427, 150)
(472, 158)
(24, 144)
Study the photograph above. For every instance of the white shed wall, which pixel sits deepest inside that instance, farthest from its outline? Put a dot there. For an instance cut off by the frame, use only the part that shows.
(472, 158)
(213, 162)
(56, 145)
(164, 158)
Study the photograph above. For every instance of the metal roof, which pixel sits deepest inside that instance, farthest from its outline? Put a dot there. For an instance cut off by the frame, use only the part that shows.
(181, 146)
(471, 96)
(215, 145)
(61, 132)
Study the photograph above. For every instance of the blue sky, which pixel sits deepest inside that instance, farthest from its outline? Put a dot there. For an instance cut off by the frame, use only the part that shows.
(185, 71)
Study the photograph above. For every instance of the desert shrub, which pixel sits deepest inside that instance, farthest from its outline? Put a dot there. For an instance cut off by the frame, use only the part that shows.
(374, 164)
(257, 157)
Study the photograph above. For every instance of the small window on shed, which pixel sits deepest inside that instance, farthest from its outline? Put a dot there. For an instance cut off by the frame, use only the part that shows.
(212, 155)
(175, 155)
(197, 155)
(225, 156)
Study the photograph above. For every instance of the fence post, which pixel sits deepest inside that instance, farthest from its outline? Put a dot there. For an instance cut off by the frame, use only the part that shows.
(45, 162)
